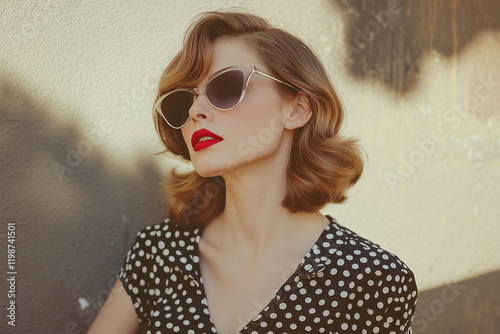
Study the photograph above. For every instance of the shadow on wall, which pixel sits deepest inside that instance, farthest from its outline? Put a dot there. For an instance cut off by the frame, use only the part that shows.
(465, 307)
(386, 40)
(76, 213)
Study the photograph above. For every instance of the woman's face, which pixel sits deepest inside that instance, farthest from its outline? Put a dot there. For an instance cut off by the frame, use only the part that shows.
(251, 133)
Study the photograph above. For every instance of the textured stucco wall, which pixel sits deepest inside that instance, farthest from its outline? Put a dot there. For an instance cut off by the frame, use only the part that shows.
(79, 176)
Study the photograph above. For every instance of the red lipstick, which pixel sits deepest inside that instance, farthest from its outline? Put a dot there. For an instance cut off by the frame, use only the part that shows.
(206, 142)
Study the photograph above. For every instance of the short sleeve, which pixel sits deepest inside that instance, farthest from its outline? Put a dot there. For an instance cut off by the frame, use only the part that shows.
(134, 275)
(390, 302)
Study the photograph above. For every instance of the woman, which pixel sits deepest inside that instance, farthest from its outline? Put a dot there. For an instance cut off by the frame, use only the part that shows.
(245, 249)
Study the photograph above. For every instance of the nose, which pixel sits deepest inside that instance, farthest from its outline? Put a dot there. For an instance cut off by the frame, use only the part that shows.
(200, 108)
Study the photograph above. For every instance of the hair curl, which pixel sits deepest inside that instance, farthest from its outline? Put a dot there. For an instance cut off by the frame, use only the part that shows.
(322, 164)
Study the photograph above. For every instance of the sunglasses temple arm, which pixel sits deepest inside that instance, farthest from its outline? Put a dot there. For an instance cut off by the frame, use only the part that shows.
(273, 78)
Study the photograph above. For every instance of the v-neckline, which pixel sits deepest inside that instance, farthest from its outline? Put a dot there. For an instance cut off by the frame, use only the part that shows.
(289, 280)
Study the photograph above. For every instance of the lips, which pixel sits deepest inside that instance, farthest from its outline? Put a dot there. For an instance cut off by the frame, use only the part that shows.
(204, 142)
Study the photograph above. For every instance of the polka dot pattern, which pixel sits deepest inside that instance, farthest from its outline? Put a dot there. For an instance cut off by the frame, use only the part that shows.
(344, 284)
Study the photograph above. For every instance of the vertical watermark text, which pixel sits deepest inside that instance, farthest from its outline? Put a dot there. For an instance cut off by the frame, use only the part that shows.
(11, 273)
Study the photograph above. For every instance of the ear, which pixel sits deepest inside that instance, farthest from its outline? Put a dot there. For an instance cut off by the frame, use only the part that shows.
(297, 111)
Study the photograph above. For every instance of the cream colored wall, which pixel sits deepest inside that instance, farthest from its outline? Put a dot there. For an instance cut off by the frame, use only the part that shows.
(77, 140)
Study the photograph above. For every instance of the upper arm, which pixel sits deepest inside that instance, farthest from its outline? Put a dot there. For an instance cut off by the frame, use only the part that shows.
(117, 315)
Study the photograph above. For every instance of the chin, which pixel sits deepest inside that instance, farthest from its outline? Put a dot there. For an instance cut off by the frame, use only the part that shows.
(212, 168)
(205, 169)
(204, 173)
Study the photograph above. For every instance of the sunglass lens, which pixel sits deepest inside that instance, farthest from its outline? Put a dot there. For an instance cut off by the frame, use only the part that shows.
(225, 90)
(175, 107)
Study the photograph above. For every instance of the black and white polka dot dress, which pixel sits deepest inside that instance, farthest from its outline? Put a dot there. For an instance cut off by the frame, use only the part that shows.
(344, 284)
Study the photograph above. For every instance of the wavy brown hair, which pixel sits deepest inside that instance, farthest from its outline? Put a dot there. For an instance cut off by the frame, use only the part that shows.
(322, 164)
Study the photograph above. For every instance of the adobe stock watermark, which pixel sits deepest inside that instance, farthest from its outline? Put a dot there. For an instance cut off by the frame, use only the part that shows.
(381, 20)
(252, 145)
(430, 312)
(453, 117)
(119, 111)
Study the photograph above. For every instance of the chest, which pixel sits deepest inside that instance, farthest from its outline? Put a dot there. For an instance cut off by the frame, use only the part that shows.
(237, 291)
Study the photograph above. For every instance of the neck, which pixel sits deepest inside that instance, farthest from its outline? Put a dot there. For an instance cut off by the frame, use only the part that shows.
(254, 222)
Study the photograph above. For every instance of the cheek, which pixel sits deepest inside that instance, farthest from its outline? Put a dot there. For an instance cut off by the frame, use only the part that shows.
(265, 115)
(258, 125)
(186, 134)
